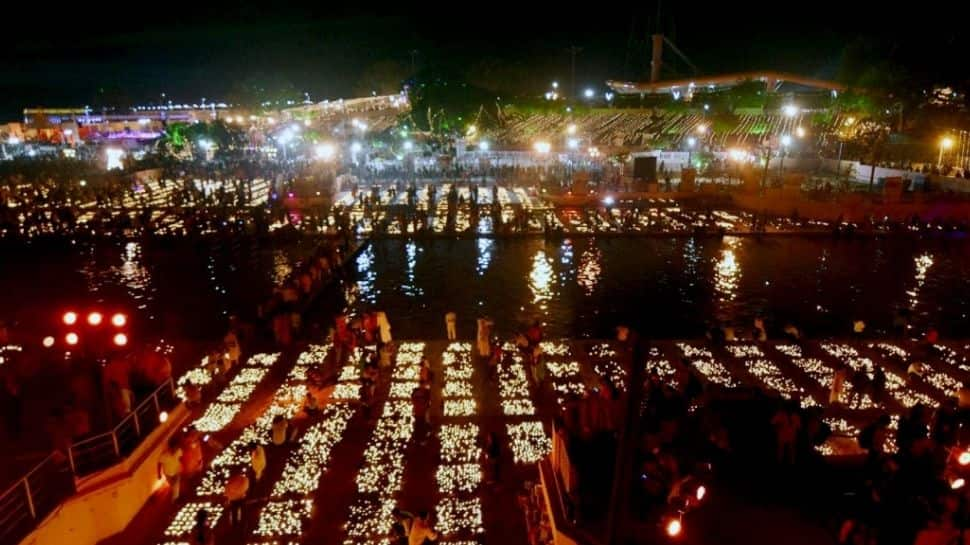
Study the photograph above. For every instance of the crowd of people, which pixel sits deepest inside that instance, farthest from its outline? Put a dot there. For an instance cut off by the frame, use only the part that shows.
(54, 198)
(97, 392)
(290, 299)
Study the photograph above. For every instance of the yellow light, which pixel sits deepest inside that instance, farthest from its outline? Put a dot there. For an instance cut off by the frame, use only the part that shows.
(542, 146)
(163, 417)
(119, 320)
(957, 483)
(120, 339)
(95, 318)
(70, 318)
(472, 129)
(964, 458)
(946, 142)
(571, 129)
(71, 338)
(849, 121)
(48, 341)
(800, 132)
(701, 129)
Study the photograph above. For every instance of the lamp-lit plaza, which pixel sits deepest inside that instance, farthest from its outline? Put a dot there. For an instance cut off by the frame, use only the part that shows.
(609, 281)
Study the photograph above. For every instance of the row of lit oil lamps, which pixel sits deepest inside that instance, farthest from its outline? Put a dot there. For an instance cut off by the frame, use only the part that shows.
(773, 378)
(288, 508)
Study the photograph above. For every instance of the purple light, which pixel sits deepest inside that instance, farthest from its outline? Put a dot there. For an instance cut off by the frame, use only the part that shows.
(290, 195)
(137, 135)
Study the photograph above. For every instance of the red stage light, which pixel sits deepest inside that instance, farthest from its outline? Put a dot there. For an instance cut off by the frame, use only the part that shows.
(119, 320)
(121, 339)
(95, 318)
(70, 318)
(48, 342)
(71, 339)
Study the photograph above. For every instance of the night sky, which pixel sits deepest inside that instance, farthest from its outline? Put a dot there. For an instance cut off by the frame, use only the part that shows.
(126, 52)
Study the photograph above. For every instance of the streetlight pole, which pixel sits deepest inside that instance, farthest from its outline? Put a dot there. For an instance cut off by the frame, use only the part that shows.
(573, 50)
(838, 163)
(764, 177)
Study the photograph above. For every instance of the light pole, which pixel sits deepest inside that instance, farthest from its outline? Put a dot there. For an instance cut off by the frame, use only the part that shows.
(838, 162)
(785, 142)
(573, 51)
(945, 143)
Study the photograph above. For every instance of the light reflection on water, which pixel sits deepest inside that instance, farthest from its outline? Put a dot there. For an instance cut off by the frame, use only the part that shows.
(727, 271)
(366, 276)
(541, 278)
(135, 276)
(566, 252)
(668, 287)
(131, 275)
(411, 287)
(923, 264)
(485, 247)
(589, 269)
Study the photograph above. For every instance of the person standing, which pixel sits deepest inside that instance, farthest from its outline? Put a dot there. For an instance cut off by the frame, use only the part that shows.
(191, 446)
(421, 402)
(484, 337)
(236, 489)
(839, 376)
(170, 467)
(450, 325)
(233, 351)
(420, 530)
(534, 336)
(787, 425)
(257, 459)
(760, 334)
(201, 531)
(279, 429)
(13, 406)
(493, 453)
(385, 328)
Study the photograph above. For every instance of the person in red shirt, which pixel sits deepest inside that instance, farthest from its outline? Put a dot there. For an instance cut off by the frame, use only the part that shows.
(191, 446)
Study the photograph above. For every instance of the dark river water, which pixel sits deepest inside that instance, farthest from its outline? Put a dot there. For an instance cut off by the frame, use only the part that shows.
(667, 287)
(583, 287)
